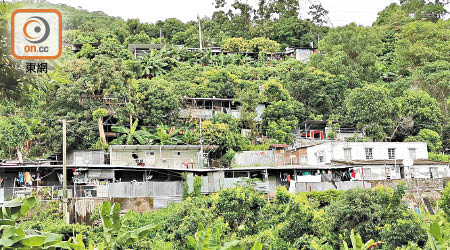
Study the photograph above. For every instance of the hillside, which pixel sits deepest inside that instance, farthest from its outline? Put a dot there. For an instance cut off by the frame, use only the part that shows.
(390, 81)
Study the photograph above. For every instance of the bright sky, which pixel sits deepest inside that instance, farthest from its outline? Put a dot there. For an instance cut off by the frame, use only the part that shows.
(341, 11)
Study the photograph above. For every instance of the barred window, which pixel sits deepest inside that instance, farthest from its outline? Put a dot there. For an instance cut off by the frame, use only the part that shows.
(412, 153)
(391, 153)
(369, 153)
(348, 154)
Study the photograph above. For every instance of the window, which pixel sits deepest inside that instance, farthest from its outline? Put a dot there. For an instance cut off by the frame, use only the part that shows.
(240, 174)
(348, 154)
(150, 153)
(412, 153)
(434, 172)
(367, 173)
(177, 154)
(369, 153)
(320, 156)
(303, 159)
(391, 153)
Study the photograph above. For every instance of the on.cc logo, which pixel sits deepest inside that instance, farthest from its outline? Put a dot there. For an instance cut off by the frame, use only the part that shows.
(39, 26)
(36, 34)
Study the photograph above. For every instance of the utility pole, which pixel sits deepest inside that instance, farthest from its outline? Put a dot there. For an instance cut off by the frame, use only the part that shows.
(201, 144)
(200, 33)
(65, 200)
(160, 36)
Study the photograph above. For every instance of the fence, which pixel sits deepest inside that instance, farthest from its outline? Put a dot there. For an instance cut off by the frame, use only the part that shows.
(45, 192)
(145, 189)
(168, 191)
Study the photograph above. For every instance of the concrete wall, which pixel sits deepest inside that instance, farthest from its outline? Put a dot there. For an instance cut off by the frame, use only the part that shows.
(85, 157)
(196, 113)
(381, 172)
(324, 186)
(303, 54)
(165, 158)
(270, 158)
(414, 184)
(335, 151)
(209, 113)
(255, 158)
(418, 189)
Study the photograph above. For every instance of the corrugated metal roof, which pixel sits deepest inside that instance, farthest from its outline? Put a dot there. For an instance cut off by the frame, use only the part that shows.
(154, 147)
(119, 167)
(208, 99)
(279, 146)
(388, 162)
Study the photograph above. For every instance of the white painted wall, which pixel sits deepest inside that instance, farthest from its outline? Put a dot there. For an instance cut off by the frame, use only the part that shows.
(381, 172)
(154, 157)
(209, 113)
(259, 112)
(335, 151)
(254, 158)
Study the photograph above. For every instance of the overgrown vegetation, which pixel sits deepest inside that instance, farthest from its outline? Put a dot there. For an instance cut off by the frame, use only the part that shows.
(391, 80)
(243, 218)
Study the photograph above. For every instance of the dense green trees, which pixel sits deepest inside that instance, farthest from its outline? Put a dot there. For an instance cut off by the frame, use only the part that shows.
(389, 80)
(421, 42)
(243, 216)
(431, 137)
(382, 115)
(13, 80)
(352, 51)
(14, 133)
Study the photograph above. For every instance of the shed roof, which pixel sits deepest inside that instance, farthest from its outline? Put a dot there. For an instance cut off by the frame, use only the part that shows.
(208, 99)
(387, 162)
(122, 167)
(157, 147)
(279, 146)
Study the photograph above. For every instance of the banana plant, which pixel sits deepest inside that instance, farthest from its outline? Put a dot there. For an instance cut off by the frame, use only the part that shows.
(128, 136)
(358, 244)
(209, 239)
(13, 237)
(78, 244)
(435, 239)
(156, 64)
(167, 136)
(114, 237)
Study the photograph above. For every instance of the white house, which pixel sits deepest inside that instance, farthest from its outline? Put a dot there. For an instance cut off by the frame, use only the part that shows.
(377, 160)
(364, 151)
(383, 170)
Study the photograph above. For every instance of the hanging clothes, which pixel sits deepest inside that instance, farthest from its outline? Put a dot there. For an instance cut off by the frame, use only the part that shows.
(353, 174)
(27, 178)
(21, 178)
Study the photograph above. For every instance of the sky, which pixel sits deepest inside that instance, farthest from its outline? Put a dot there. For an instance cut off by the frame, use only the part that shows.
(341, 12)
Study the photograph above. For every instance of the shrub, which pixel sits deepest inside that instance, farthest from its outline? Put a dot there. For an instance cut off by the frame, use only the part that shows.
(367, 211)
(262, 44)
(240, 207)
(444, 203)
(235, 44)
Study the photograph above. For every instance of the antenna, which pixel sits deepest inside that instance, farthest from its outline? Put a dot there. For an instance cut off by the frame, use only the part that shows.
(201, 144)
